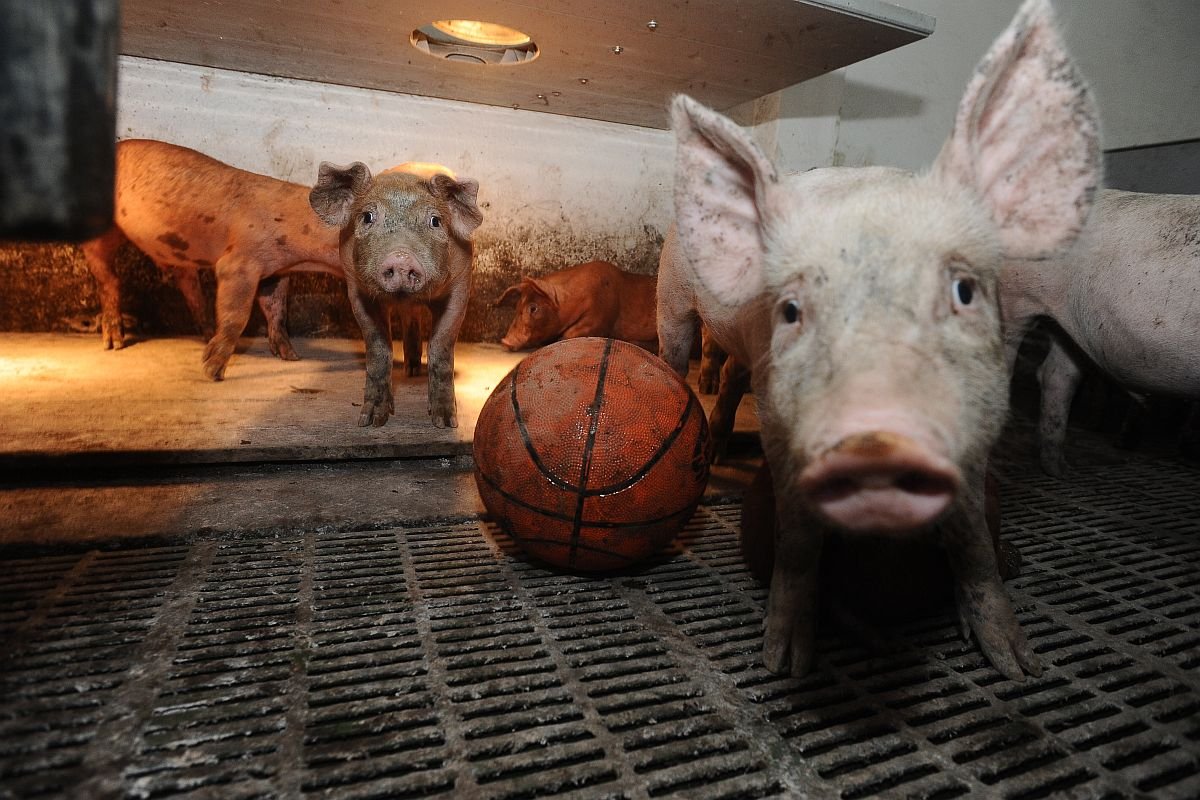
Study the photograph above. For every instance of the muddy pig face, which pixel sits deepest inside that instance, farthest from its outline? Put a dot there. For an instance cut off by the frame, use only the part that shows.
(398, 227)
(536, 321)
(886, 347)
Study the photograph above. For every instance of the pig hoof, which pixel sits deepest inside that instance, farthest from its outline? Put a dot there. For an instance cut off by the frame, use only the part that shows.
(1000, 637)
(1054, 466)
(285, 353)
(412, 370)
(786, 655)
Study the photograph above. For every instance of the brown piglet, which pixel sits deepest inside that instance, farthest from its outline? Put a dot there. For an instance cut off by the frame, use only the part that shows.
(592, 299)
(186, 211)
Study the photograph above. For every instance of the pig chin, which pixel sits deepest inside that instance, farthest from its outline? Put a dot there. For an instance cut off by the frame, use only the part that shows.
(879, 482)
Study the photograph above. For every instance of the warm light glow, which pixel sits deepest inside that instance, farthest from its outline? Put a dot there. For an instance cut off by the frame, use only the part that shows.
(476, 32)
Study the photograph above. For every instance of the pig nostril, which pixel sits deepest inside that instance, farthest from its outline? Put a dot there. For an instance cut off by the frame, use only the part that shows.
(914, 482)
(389, 273)
(834, 489)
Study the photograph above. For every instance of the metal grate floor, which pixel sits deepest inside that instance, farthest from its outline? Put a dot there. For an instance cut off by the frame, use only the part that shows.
(433, 662)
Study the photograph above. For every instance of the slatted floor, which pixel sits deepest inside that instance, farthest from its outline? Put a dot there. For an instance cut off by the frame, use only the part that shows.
(434, 662)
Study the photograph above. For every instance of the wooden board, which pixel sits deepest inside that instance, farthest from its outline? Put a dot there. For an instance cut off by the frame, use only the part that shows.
(65, 401)
(720, 52)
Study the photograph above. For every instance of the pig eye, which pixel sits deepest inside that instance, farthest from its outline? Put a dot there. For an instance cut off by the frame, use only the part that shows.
(435, 221)
(368, 217)
(963, 291)
(791, 312)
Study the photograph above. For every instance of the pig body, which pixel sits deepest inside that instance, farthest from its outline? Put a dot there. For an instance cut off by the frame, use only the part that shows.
(1127, 295)
(188, 211)
(405, 238)
(592, 299)
(865, 303)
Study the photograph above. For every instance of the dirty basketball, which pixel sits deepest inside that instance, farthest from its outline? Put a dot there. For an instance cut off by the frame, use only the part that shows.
(591, 454)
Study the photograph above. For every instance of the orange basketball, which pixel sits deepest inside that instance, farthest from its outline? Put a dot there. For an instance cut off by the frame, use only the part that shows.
(592, 454)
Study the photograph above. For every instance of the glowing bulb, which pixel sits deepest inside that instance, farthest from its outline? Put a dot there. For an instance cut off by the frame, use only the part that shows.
(486, 33)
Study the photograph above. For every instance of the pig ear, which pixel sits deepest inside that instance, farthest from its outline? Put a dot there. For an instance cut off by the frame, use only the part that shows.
(721, 180)
(510, 294)
(336, 190)
(544, 288)
(465, 215)
(1026, 137)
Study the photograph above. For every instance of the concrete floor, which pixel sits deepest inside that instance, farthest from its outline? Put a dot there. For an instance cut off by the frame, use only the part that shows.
(137, 444)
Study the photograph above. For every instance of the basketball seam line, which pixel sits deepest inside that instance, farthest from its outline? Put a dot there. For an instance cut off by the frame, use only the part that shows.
(545, 512)
(588, 446)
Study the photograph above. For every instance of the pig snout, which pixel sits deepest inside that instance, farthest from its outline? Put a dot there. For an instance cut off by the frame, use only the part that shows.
(512, 343)
(879, 481)
(401, 273)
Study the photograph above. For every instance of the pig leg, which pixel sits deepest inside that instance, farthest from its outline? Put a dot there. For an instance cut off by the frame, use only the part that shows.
(447, 321)
(187, 281)
(100, 254)
(376, 325)
(789, 635)
(1059, 377)
(735, 380)
(983, 605)
(712, 359)
(677, 328)
(272, 299)
(410, 327)
(237, 282)
(790, 627)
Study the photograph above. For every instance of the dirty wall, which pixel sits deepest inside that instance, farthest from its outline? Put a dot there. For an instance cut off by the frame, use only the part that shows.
(554, 190)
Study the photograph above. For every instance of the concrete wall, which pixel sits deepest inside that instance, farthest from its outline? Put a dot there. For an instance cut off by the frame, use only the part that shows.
(554, 190)
(1141, 59)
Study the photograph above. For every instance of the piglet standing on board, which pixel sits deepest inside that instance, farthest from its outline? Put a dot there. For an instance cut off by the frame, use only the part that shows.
(405, 238)
(865, 302)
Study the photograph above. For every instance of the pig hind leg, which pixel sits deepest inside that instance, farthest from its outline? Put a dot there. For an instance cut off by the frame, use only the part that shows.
(187, 280)
(1059, 377)
(677, 329)
(101, 254)
(712, 359)
(272, 298)
(236, 286)
(735, 380)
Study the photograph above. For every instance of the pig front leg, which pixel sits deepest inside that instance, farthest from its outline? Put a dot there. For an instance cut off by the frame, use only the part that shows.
(447, 321)
(375, 323)
(983, 604)
(272, 300)
(789, 643)
(790, 628)
(100, 254)
(1059, 377)
(236, 283)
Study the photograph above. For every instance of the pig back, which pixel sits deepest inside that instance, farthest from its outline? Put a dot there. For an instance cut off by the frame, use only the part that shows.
(1133, 302)
(180, 206)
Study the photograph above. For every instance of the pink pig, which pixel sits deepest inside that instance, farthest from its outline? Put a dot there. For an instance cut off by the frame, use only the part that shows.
(865, 302)
(1126, 295)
